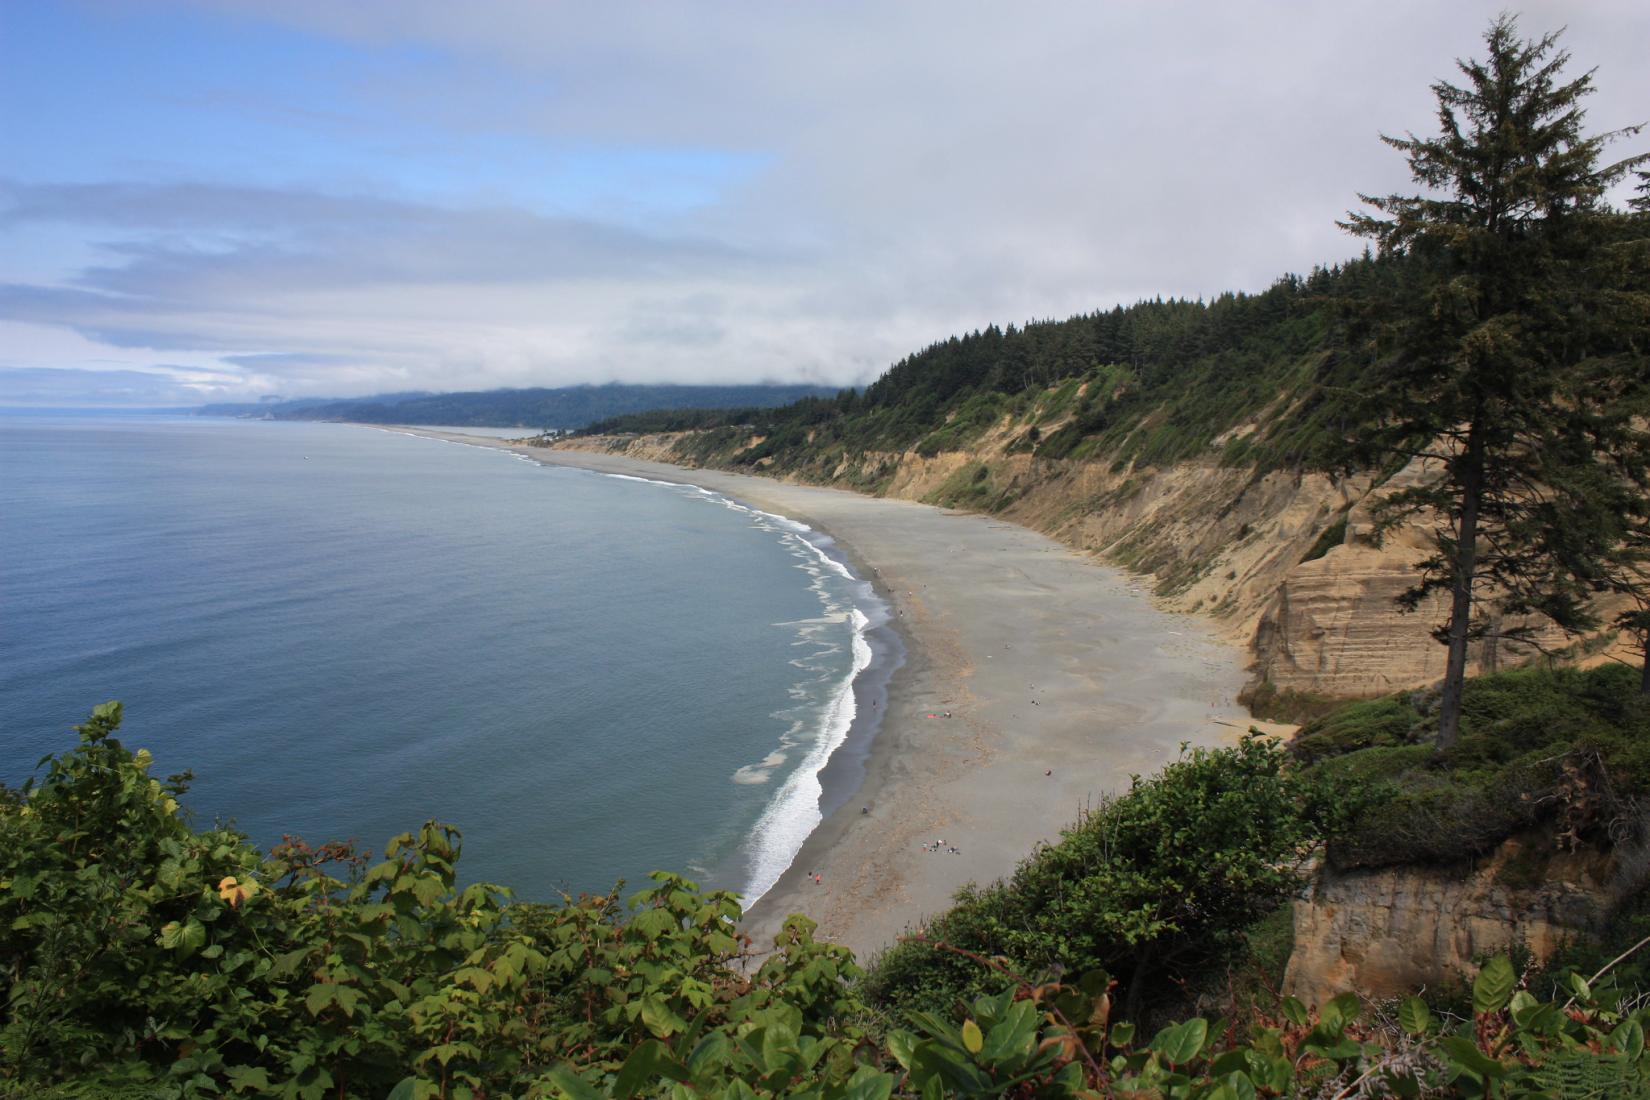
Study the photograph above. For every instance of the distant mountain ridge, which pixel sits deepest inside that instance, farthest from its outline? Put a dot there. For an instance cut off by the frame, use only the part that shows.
(565, 407)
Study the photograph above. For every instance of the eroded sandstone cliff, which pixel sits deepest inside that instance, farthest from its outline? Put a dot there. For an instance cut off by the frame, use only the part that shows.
(1286, 562)
(1393, 930)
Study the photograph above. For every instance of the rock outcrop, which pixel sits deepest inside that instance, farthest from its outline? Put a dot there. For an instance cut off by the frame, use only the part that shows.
(1391, 931)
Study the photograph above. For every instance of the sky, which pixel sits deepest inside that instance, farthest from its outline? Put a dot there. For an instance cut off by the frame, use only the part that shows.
(226, 200)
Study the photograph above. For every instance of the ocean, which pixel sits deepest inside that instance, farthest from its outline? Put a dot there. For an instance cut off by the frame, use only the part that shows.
(345, 631)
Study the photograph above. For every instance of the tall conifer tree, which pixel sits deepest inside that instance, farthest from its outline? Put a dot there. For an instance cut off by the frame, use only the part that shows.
(1488, 357)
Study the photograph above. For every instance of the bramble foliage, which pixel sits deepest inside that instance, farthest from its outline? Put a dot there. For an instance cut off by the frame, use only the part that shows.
(151, 959)
(144, 959)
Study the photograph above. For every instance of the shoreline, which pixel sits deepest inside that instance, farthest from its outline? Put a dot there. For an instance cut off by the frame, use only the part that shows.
(1035, 681)
(841, 774)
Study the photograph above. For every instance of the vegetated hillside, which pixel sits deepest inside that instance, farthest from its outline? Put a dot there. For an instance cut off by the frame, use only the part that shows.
(1142, 385)
(288, 408)
(562, 408)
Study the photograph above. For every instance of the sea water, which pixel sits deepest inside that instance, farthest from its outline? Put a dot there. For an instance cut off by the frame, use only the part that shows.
(344, 632)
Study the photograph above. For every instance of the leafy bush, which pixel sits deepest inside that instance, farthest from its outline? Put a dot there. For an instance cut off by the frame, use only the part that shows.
(1567, 746)
(142, 959)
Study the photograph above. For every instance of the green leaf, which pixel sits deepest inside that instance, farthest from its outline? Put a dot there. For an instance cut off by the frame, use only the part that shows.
(1014, 1033)
(1295, 1012)
(658, 1017)
(242, 1078)
(1414, 1016)
(428, 890)
(1180, 1043)
(1094, 983)
(971, 1037)
(646, 1063)
(192, 938)
(903, 1046)
(1628, 1039)
(778, 1048)
(1234, 1086)
(405, 1090)
(571, 1084)
(1348, 1007)
(319, 997)
(713, 1050)
(1464, 1054)
(1493, 987)
(1579, 986)
(287, 963)
(868, 1084)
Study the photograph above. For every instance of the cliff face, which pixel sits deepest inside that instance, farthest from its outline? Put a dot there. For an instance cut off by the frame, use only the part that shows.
(1267, 556)
(1392, 931)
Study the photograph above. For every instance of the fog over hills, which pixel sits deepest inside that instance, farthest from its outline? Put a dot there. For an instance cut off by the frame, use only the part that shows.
(563, 407)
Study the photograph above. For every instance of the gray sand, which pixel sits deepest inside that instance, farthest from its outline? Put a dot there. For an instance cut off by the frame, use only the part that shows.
(1047, 662)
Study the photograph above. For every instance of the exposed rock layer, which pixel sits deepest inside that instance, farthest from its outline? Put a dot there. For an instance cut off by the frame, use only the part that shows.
(1392, 931)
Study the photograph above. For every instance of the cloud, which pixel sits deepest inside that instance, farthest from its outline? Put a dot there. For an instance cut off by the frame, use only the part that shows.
(733, 191)
(34, 387)
(196, 235)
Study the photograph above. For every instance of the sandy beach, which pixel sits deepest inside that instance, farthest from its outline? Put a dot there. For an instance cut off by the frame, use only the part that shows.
(1035, 681)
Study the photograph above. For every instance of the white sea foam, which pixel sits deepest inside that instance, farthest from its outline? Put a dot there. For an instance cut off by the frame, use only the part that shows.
(793, 812)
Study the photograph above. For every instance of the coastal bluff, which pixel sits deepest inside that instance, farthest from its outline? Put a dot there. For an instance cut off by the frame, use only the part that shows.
(1285, 563)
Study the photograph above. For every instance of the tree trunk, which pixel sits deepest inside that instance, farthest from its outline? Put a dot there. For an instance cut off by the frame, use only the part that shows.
(1460, 612)
(1644, 676)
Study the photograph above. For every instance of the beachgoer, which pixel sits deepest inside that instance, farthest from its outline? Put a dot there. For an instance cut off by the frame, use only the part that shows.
(1049, 772)
(818, 880)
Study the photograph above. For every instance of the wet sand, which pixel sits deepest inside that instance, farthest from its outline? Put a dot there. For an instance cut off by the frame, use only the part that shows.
(1060, 677)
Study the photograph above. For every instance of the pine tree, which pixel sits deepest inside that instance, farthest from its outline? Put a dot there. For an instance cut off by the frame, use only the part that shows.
(1641, 194)
(1635, 584)
(1487, 356)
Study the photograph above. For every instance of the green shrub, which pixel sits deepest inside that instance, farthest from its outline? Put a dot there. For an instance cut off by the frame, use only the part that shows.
(1535, 743)
(1157, 882)
(143, 959)
(1332, 536)
(1377, 723)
